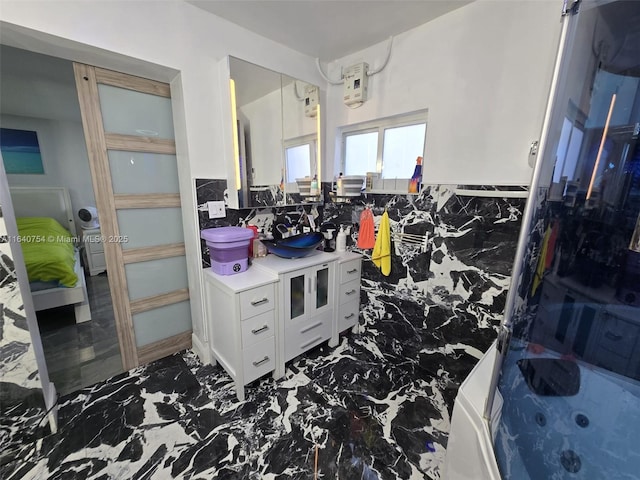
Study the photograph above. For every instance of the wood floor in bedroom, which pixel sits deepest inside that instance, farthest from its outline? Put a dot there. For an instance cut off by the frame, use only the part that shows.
(79, 355)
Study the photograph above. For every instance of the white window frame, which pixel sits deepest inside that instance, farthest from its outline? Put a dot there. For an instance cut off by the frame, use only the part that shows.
(380, 125)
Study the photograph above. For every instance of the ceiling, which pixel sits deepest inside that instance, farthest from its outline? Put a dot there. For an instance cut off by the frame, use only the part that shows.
(329, 29)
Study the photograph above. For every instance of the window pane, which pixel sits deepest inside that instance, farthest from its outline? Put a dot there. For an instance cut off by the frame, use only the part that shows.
(361, 151)
(402, 145)
(298, 162)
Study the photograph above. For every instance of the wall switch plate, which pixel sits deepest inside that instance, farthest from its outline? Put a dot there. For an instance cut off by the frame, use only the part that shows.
(216, 209)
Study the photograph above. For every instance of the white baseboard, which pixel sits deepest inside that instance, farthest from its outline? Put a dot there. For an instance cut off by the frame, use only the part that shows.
(201, 349)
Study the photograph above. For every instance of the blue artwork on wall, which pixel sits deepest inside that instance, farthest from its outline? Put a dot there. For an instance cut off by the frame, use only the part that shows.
(20, 151)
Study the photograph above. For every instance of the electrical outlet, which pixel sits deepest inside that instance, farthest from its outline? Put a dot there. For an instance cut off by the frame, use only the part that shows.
(216, 209)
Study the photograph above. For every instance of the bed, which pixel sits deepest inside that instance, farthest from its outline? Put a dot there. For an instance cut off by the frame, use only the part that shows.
(54, 203)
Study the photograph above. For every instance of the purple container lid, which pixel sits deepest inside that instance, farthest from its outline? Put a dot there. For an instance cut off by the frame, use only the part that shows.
(226, 234)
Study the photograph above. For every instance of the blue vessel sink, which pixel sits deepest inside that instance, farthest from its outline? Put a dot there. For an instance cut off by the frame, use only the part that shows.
(296, 246)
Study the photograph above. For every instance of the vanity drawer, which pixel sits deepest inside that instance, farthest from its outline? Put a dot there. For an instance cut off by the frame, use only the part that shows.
(348, 315)
(617, 335)
(256, 301)
(349, 291)
(303, 335)
(258, 328)
(259, 359)
(350, 271)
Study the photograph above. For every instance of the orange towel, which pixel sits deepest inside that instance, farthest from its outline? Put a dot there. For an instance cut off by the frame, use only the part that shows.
(366, 233)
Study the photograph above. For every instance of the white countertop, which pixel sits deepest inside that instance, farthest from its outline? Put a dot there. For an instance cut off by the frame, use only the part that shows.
(251, 278)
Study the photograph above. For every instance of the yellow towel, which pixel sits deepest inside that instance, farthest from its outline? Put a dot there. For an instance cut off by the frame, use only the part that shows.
(381, 255)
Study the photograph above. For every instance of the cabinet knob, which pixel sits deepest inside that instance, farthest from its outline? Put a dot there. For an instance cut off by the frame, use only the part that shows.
(351, 315)
(255, 303)
(613, 336)
(256, 331)
(260, 362)
(352, 271)
(350, 292)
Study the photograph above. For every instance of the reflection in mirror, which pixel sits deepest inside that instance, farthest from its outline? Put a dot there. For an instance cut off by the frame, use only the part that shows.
(276, 134)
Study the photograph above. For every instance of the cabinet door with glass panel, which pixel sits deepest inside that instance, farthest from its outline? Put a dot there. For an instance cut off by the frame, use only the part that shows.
(308, 308)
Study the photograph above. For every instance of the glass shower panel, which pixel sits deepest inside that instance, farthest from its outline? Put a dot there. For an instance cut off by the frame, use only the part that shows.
(160, 323)
(570, 379)
(160, 172)
(155, 277)
(151, 117)
(150, 227)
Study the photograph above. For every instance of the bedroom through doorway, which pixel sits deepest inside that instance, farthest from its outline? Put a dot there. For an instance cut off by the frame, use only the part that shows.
(75, 315)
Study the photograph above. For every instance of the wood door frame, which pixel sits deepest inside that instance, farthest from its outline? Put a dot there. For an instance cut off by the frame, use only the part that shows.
(98, 143)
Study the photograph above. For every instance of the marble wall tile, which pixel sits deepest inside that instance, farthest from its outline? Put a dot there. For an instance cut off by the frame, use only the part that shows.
(21, 396)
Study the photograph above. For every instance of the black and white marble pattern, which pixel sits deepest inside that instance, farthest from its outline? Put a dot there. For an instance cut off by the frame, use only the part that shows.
(21, 397)
(378, 406)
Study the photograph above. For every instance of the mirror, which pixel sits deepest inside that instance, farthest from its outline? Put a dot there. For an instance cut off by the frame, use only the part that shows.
(275, 139)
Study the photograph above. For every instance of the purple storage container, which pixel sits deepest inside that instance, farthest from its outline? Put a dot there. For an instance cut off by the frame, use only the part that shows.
(228, 248)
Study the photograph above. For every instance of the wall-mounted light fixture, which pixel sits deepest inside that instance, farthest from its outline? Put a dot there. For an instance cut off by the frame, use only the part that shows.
(234, 131)
(319, 145)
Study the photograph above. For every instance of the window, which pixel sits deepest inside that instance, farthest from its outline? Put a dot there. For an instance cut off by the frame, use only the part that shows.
(388, 146)
(300, 157)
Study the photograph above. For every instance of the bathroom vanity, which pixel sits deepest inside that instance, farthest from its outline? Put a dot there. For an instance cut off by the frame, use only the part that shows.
(278, 309)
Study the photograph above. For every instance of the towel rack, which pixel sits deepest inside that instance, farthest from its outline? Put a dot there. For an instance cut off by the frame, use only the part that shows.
(412, 239)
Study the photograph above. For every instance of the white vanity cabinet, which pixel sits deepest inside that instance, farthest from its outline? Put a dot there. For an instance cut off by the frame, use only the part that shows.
(306, 302)
(241, 313)
(347, 311)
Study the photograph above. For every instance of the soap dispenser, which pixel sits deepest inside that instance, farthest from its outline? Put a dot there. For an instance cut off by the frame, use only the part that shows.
(341, 242)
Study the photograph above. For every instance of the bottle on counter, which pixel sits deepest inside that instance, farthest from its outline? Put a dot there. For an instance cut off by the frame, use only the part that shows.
(315, 190)
(341, 241)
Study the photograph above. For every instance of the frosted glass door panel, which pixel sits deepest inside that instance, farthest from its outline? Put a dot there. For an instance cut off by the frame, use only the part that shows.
(161, 323)
(140, 172)
(155, 277)
(133, 113)
(322, 287)
(150, 227)
(297, 296)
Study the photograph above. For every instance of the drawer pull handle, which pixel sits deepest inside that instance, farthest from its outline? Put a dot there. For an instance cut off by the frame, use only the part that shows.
(351, 315)
(350, 292)
(310, 342)
(613, 336)
(310, 327)
(352, 271)
(260, 330)
(255, 303)
(260, 362)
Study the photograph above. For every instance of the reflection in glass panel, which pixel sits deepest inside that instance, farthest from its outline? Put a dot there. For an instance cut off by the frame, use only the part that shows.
(155, 277)
(160, 172)
(298, 162)
(133, 113)
(160, 323)
(361, 152)
(149, 227)
(401, 147)
(322, 287)
(571, 375)
(297, 296)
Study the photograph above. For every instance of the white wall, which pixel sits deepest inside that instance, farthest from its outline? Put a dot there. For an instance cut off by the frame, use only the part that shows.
(64, 158)
(483, 71)
(169, 41)
(264, 119)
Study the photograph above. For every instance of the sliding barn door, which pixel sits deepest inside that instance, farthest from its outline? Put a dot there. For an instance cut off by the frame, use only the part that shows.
(128, 126)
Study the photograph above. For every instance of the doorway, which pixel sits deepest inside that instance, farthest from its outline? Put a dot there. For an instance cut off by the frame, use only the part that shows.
(38, 95)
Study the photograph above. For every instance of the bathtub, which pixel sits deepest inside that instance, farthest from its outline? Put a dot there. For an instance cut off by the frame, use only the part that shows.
(592, 434)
